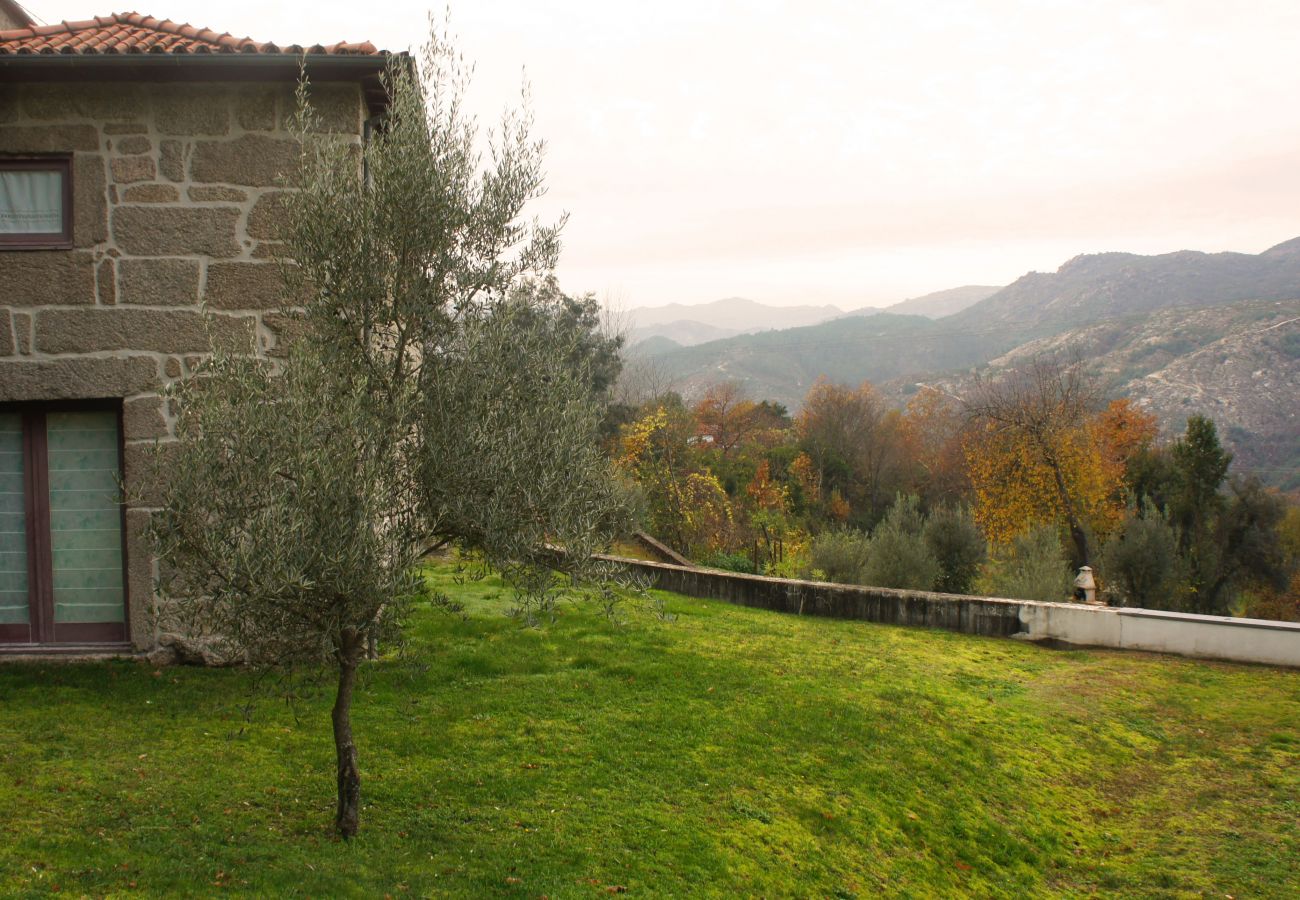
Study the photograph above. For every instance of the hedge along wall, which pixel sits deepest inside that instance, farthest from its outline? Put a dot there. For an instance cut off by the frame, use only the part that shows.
(1210, 637)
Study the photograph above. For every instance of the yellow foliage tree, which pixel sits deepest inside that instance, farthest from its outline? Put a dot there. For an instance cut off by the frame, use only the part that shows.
(1040, 455)
(1018, 483)
(687, 507)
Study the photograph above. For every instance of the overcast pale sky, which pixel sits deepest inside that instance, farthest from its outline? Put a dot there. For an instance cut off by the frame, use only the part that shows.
(862, 152)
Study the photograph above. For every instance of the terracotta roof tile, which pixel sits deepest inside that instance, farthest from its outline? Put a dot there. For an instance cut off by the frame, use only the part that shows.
(130, 33)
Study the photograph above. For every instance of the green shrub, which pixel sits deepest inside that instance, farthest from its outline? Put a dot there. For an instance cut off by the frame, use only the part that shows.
(1140, 565)
(1035, 569)
(839, 556)
(956, 542)
(897, 554)
(731, 562)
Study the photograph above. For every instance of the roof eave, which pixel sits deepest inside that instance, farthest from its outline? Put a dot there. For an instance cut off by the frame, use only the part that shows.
(38, 61)
(365, 69)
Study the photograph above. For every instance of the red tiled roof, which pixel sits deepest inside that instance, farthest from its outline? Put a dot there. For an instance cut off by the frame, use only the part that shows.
(132, 33)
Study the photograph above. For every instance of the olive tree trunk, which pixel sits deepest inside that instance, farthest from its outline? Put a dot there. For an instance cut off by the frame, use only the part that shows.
(347, 819)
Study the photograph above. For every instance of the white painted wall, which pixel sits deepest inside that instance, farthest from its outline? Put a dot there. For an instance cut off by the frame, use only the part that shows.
(1207, 637)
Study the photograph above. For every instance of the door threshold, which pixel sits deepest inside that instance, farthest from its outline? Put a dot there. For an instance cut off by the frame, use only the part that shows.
(62, 652)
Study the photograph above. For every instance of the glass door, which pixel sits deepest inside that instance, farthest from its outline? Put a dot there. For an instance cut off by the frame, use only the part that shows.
(15, 612)
(85, 508)
(61, 560)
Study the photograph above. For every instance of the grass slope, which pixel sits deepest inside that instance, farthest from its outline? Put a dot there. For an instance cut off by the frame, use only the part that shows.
(729, 751)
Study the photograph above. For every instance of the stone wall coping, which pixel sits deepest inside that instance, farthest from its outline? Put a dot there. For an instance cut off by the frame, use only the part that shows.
(1203, 619)
(901, 593)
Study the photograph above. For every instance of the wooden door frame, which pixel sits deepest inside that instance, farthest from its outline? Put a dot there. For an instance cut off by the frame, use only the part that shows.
(42, 631)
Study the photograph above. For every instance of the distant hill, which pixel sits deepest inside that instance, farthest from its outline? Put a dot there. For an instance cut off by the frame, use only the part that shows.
(652, 346)
(943, 303)
(782, 365)
(684, 332)
(1104, 285)
(722, 318)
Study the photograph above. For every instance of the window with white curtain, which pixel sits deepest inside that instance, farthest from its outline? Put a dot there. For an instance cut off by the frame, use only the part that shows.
(35, 202)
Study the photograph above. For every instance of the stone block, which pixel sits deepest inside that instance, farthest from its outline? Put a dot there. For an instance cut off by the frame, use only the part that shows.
(269, 216)
(130, 169)
(204, 193)
(337, 106)
(142, 419)
(125, 128)
(253, 160)
(160, 331)
(159, 282)
(139, 578)
(106, 279)
(244, 285)
(132, 144)
(286, 327)
(45, 278)
(83, 100)
(172, 367)
(8, 347)
(151, 193)
(255, 107)
(76, 378)
(89, 200)
(172, 156)
(269, 250)
(176, 231)
(48, 139)
(190, 109)
(23, 332)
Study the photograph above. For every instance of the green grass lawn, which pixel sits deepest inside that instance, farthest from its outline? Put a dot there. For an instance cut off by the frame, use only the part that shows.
(730, 751)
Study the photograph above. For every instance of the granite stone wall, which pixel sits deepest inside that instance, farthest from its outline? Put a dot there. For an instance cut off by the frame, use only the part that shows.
(176, 190)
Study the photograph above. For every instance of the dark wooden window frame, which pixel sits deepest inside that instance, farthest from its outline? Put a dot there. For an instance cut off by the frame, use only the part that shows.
(61, 163)
(42, 631)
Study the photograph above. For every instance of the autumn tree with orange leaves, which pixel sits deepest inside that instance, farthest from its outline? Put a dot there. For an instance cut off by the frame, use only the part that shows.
(854, 440)
(726, 416)
(934, 429)
(1040, 453)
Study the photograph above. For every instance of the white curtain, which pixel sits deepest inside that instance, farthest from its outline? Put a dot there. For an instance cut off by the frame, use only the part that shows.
(31, 202)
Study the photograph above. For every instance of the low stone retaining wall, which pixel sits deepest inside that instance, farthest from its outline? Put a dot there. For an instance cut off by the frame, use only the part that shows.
(1209, 637)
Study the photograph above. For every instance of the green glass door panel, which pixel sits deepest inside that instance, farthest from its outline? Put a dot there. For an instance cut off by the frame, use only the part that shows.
(14, 606)
(85, 516)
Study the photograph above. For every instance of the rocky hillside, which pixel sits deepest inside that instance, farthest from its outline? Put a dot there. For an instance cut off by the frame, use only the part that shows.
(1104, 285)
(1238, 364)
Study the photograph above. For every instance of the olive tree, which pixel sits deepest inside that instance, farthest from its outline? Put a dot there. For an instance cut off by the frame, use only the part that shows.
(423, 400)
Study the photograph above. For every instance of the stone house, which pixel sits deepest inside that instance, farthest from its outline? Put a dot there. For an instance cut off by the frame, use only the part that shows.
(140, 164)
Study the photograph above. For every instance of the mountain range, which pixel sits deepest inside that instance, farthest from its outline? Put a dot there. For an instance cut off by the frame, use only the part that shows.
(1180, 333)
(1102, 285)
(687, 326)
